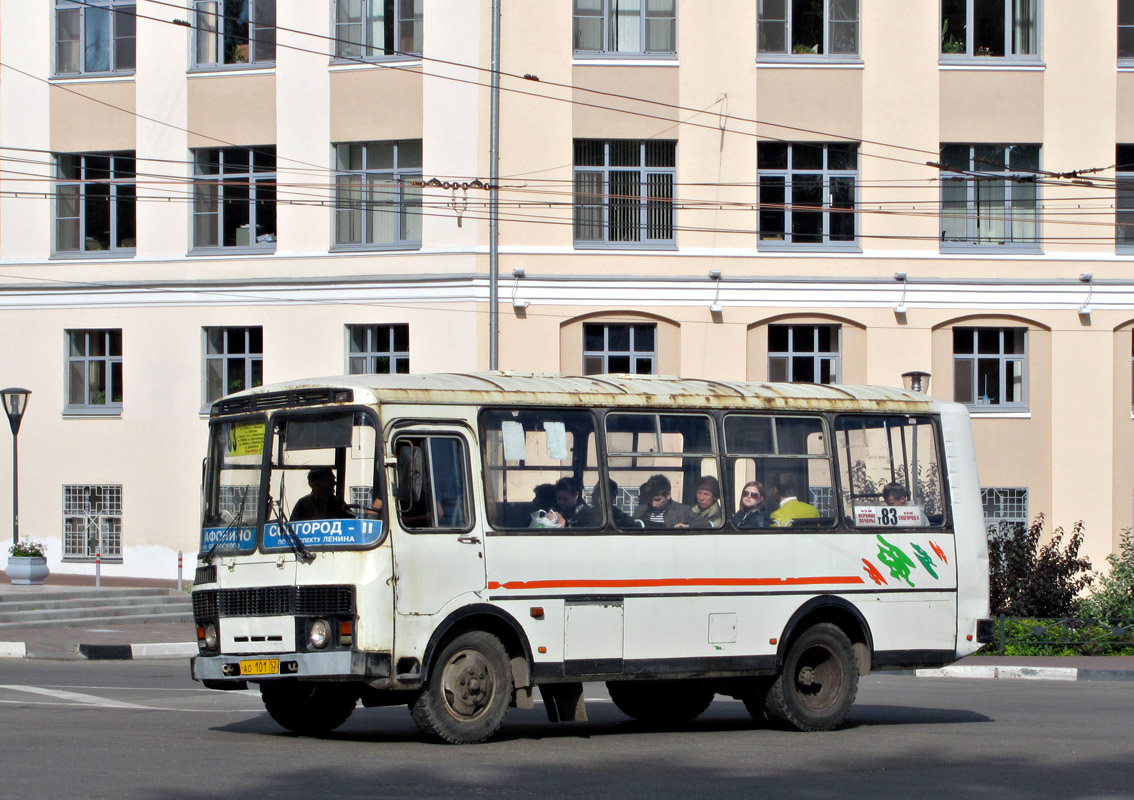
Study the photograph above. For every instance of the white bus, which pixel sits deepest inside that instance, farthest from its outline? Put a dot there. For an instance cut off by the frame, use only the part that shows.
(451, 542)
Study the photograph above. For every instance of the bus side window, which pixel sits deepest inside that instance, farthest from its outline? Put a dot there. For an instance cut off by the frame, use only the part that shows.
(438, 464)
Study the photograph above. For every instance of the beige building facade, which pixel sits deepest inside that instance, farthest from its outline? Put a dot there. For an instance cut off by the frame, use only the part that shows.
(199, 196)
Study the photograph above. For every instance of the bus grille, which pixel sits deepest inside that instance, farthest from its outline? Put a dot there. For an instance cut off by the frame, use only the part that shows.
(274, 601)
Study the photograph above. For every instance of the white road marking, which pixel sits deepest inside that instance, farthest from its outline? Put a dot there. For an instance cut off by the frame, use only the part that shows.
(75, 697)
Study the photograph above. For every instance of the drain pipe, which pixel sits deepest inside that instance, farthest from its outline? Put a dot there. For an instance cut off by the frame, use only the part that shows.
(494, 199)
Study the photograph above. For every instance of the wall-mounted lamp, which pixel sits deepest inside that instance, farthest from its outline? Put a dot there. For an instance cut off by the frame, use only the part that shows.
(517, 304)
(1085, 309)
(916, 381)
(716, 307)
(900, 308)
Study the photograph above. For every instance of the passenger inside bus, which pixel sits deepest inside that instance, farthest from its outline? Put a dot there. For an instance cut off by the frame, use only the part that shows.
(569, 504)
(895, 494)
(322, 502)
(790, 507)
(659, 510)
(752, 513)
(709, 501)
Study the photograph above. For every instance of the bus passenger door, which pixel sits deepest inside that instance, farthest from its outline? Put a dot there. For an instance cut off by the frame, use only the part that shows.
(438, 545)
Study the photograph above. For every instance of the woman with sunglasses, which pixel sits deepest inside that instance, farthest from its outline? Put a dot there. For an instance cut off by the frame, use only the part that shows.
(752, 513)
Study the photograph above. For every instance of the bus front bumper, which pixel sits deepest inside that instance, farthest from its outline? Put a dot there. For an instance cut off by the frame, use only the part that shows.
(229, 671)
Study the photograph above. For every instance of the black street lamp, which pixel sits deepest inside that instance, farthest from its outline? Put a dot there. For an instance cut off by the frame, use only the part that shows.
(15, 403)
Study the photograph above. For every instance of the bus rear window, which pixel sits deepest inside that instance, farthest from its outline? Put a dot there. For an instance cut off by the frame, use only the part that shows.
(891, 476)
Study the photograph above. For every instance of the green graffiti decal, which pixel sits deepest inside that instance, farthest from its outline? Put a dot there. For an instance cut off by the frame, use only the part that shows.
(925, 560)
(897, 561)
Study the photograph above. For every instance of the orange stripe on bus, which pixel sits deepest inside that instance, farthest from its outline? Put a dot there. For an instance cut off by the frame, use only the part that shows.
(645, 583)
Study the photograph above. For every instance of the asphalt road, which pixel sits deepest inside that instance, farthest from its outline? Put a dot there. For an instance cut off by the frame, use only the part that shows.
(145, 730)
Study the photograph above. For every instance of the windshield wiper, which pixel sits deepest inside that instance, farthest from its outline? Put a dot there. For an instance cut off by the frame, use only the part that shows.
(291, 537)
(233, 527)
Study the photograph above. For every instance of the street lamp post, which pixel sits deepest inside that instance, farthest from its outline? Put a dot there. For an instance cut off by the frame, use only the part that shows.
(15, 403)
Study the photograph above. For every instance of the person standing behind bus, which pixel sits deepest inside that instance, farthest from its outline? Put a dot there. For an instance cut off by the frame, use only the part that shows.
(752, 513)
(791, 507)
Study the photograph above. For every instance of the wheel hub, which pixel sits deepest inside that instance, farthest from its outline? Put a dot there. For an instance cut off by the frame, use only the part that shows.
(467, 683)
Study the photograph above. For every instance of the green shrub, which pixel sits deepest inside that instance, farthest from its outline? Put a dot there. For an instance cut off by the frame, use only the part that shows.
(1112, 597)
(1027, 580)
(1064, 637)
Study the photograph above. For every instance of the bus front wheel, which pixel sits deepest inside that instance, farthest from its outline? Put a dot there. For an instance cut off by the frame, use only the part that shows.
(307, 708)
(468, 691)
(816, 688)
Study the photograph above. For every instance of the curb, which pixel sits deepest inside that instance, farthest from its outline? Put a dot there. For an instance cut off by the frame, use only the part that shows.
(13, 650)
(128, 652)
(1027, 673)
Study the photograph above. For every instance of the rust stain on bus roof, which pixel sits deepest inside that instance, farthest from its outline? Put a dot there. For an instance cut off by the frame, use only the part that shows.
(505, 388)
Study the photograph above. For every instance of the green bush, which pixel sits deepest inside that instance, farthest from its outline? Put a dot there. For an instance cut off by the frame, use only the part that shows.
(1112, 597)
(1027, 580)
(1064, 637)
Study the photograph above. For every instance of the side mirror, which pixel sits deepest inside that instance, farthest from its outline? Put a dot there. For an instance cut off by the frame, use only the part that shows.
(411, 469)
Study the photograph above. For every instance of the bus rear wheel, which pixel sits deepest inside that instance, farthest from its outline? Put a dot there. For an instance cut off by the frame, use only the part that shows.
(661, 702)
(468, 691)
(816, 689)
(307, 708)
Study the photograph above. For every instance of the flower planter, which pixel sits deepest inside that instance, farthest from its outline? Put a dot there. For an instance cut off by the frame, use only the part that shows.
(26, 570)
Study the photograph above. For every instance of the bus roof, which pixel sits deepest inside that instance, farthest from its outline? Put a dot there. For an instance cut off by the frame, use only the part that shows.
(551, 389)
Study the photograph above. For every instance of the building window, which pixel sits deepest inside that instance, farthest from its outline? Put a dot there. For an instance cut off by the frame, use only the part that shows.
(990, 29)
(376, 201)
(989, 195)
(1124, 196)
(628, 348)
(627, 27)
(92, 522)
(988, 367)
(1126, 30)
(94, 371)
(803, 353)
(234, 360)
(624, 192)
(234, 197)
(94, 36)
(94, 202)
(378, 349)
(234, 32)
(1004, 508)
(807, 27)
(807, 193)
(377, 28)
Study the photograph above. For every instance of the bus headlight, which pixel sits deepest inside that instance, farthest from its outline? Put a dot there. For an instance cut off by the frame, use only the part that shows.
(211, 640)
(320, 634)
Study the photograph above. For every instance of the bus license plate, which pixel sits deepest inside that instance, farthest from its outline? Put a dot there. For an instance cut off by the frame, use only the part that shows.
(261, 666)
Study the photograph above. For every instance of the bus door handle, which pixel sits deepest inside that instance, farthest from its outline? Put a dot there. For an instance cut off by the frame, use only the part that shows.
(468, 538)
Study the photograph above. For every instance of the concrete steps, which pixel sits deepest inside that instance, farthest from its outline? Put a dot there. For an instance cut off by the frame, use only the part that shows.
(87, 606)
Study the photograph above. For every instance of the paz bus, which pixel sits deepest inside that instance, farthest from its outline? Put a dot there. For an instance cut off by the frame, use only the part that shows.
(378, 540)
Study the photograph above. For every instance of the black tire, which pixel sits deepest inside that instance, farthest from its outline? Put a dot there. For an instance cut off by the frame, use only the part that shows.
(816, 689)
(661, 702)
(468, 691)
(307, 708)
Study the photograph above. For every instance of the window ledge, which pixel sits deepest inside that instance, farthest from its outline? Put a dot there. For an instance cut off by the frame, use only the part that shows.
(222, 252)
(232, 69)
(123, 253)
(96, 77)
(392, 62)
(780, 249)
(635, 60)
(375, 248)
(83, 413)
(974, 413)
(623, 248)
(767, 61)
(1008, 247)
(990, 64)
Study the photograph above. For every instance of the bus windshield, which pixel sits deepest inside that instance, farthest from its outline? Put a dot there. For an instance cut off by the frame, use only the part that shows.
(232, 487)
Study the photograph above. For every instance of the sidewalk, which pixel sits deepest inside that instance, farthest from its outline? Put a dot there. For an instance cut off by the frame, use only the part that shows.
(97, 640)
